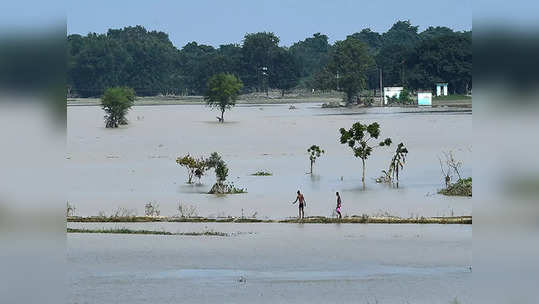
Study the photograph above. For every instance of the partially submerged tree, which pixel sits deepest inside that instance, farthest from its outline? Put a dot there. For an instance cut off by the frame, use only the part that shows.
(116, 102)
(151, 209)
(314, 152)
(195, 167)
(358, 138)
(449, 166)
(397, 163)
(70, 210)
(222, 92)
(221, 172)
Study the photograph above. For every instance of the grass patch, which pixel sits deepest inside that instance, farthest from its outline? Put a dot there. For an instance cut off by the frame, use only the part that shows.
(226, 189)
(154, 232)
(262, 173)
(463, 187)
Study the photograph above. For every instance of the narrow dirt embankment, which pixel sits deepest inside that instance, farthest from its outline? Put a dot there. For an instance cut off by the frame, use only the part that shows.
(355, 219)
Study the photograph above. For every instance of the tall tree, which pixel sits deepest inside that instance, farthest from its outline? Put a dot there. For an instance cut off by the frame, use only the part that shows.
(116, 102)
(348, 67)
(222, 92)
(314, 153)
(372, 39)
(131, 56)
(446, 58)
(258, 50)
(312, 54)
(358, 137)
(284, 71)
(397, 45)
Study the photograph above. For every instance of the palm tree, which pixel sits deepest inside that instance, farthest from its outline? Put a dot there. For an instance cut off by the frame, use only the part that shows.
(397, 162)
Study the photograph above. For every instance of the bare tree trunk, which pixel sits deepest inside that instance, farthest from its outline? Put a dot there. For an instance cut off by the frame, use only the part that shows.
(397, 170)
(222, 115)
(311, 167)
(363, 177)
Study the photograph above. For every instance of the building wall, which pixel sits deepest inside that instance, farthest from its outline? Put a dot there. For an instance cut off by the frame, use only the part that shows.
(392, 92)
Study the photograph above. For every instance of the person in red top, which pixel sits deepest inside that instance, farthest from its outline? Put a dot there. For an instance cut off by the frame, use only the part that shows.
(302, 204)
(338, 209)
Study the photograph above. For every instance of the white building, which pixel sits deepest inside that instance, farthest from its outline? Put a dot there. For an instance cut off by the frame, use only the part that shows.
(424, 98)
(441, 89)
(392, 92)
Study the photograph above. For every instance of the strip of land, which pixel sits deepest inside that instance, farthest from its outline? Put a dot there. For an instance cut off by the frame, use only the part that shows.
(330, 98)
(355, 219)
(154, 232)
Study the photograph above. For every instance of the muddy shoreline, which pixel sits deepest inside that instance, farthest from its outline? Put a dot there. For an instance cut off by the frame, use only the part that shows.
(246, 100)
(364, 219)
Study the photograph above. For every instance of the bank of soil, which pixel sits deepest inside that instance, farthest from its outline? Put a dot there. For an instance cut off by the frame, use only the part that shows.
(328, 98)
(354, 219)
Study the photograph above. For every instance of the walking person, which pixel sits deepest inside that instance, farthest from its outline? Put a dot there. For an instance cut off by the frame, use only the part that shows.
(302, 203)
(338, 209)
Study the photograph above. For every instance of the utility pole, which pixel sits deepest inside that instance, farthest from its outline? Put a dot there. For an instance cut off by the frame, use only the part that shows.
(381, 90)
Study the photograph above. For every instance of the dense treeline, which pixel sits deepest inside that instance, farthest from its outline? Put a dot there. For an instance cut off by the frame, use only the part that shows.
(148, 62)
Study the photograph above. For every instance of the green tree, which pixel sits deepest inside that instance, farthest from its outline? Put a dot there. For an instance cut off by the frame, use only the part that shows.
(258, 50)
(372, 39)
(222, 92)
(132, 56)
(358, 138)
(116, 102)
(398, 43)
(221, 173)
(402, 33)
(195, 167)
(312, 55)
(349, 65)
(284, 71)
(434, 32)
(221, 170)
(314, 152)
(405, 96)
(445, 58)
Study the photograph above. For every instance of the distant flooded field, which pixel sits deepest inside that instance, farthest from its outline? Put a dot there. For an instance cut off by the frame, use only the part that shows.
(130, 166)
(266, 262)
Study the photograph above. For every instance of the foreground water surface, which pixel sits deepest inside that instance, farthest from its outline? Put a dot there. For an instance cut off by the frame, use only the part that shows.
(132, 165)
(272, 263)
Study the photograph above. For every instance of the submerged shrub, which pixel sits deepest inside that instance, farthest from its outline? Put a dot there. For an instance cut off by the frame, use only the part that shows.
(463, 187)
(151, 209)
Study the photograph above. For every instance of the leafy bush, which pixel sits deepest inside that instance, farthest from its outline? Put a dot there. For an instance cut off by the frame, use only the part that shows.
(314, 152)
(195, 167)
(116, 102)
(463, 187)
(262, 173)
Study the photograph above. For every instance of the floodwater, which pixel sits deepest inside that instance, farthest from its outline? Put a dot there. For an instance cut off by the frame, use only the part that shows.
(266, 262)
(272, 263)
(130, 166)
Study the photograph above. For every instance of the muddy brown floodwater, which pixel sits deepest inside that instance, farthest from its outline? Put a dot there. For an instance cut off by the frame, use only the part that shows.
(272, 263)
(266, 262)
(132, 165)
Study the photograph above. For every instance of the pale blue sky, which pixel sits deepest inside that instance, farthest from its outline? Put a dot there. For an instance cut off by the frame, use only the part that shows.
(216, 22)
